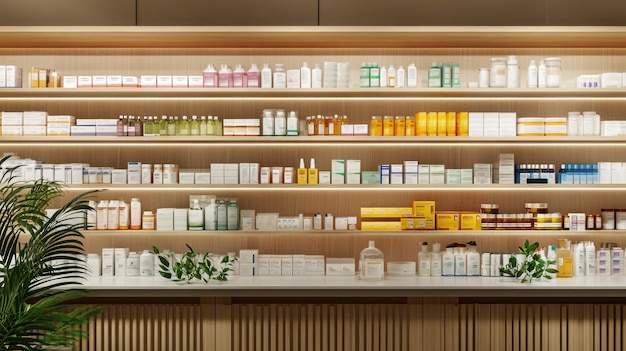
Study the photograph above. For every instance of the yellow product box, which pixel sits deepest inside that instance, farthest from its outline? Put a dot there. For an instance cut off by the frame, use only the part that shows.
(380, 226)
(399, 212)
(442, 129)
(431, 124)
(462, 124)
(470, 221)
(448, 220)
(423, 208)
(373, 212)
(421, 123)
(34, 77)
(451, 123)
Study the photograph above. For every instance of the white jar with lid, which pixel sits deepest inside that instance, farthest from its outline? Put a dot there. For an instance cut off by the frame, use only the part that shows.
(497, 73)
(553, 72)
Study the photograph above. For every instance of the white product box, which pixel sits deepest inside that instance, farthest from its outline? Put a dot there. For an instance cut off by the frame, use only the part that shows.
(577, 222)
(84, 81)
(324, 177)
(77, 173)
(108, 262)
(604, 172)
(114, 81)
(120, 261)
(195, 81)
(180, 81)
(361, 130)
(491, 124)
(34, 130)
(347, 129)
(70, 82)
(293, 78)
(341, 223)
(3, 76)
(118, 176)
(263, 265)
(202, 178)
(186, 178)
(508, 124)
(13, 76)
(105, 130)
(59, 173)
(453, 176)
(47, 172)
(314, 265)
(12, 118)
(475, 124)
(482, 173)
(134, 172)
(298, 264)
(616, 172)
(275, 265)
(130, 82)
(98, 81)
(254, 173)
(164, 81)
(423, 174)
(286, 265)
(148, 81)
(107, 175)
(611, 80)
(34, 118)
(247, 269)
(247, 219)
(180, 219)
(396, 175)
(248, 256)
(244, 173)
(165, 219)
(83, 130)
(385, 174)
(340, 266)
(437, 174)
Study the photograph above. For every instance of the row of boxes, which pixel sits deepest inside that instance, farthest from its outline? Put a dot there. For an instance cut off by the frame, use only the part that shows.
(603, 80)
(10, 76)
(146, 81)
(251, 263)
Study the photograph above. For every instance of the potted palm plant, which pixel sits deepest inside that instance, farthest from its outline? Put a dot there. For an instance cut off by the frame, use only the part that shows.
(40, 264)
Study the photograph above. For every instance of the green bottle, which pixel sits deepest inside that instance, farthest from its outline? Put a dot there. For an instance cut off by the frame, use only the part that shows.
(185, 128)
(203, 125)
(163, 126)
(218, 128)
(222, 216)
(210, 126)
(171, 126)
(148, 126)
(232, 215)
(194, 126)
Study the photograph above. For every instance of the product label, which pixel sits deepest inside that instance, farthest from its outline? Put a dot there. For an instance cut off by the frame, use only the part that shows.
(373, 269)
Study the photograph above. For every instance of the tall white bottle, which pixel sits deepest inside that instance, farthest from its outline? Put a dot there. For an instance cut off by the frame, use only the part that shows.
(435, 261)
(512, 72)
(473, 260)
(305, 76)
(135, 213)
(146, 264)
(384, 76)
(542, 74)
(532, 74)
(266, 76)
(590, 259)
(460, 261)
(316, 77)
(411, 81)
(400, 77)
(210, 216)
(448, 261)
(391, 76)
(424, 261)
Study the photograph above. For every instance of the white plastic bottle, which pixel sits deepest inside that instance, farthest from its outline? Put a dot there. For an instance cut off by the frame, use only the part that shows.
(552, 257)
(292, 124)
(460, 261)
(448, 261)
(384, 76)
(133, 261)
(113, 215)
(209, 77)
(473, 260)
(238, 76)
(266, 76)
(254, 77)
(391, 77)
(411, 81)
(146, 264)
(371, 263)
(210, 216)
(268, 123)
(424, 261)
(280, 123)
(542, 74)
(305, 76)
(532, 74)
(512, 72)
(316, 77)
(135, 213)
(435, 261)
(280, 76)
(579, 263)
(124, 216)
(225, 77)
(590, 259)
(92, 216)
(400, 77)
(195, 217)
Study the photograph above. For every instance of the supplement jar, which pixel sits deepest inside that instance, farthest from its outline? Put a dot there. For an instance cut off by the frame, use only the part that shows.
(553, 72)
(497, 73)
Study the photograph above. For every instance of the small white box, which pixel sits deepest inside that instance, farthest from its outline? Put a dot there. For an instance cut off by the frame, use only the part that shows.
(424, 174)
(118, 176)
(347, 129)
(361, 129)
(341, 223)
(180, 81)
(134, 172)
(12, 118)
(148, 81)
(611, 80)
(120, 261)
(77, 173)
(475, 124)
(164, 81)
(314, 265)
(107, 175)
(34, 118)
(248, 256)
(180, 219)
(202, 178)
(114, 81)
(98, 81)
(275, 265)
(165, 219)
(186, 177)
(130, 82)
(70, 82)
(195, 81)
(247, 269)
(340, 266)
(508, 124)
(293, 78)
(298, 264)
(84, 81)
(108, 262)
(12, 130)
(286, 265)
(491, 124)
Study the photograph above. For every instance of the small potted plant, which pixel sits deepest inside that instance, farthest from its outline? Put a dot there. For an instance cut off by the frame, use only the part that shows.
(534, 266)
(194, 265)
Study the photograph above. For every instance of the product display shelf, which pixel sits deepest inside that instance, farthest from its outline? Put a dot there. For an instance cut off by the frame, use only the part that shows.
(186, 50)
(279, 94)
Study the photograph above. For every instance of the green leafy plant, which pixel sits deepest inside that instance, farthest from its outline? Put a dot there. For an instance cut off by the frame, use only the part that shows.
(534, 265)
(39, 265)
(194, 265)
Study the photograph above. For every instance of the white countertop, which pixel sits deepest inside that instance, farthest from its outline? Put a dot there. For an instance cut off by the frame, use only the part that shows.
(342, 286)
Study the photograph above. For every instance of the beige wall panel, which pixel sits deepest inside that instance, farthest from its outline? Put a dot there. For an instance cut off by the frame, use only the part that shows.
(424, 13)
(68, 13)
(237, 13)
(586, 13)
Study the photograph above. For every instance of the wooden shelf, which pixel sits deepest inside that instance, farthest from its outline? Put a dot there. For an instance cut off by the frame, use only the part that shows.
(317, 37)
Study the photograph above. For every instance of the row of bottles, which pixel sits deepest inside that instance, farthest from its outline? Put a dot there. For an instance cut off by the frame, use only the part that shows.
(115, 215)
(326, 125)
(305, 77)
(215, 216)
(169, 126)
(373, 76)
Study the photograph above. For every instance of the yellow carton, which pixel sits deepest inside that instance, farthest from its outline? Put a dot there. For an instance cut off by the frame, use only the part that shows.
(423, 208)
(462, 124)
(431, 124)
(448, 221)
(373, 212)
(380, 226)
(399, 212)
(442, 129)
(451, 123)
(470, 221)
(422, 122)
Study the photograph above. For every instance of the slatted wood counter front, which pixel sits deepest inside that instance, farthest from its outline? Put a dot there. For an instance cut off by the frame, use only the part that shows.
(339, 313)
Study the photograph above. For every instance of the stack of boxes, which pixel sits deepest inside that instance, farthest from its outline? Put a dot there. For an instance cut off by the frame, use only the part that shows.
(492, 124)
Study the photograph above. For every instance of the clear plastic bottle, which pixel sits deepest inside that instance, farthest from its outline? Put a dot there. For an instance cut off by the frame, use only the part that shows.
(195, 217)
(222, 216)
(185, 128)
(424, 261)
(218, 129)
(316, 77)
(371, 263)
(564, 259)
(232, 215)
